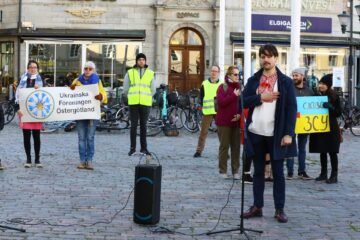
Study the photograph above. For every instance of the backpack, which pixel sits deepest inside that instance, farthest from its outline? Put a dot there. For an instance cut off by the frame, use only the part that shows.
(225, 87)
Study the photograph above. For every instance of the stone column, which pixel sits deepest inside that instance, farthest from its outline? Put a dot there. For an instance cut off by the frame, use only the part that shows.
(159, 44)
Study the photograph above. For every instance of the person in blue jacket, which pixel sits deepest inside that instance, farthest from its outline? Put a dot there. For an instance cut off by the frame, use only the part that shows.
(270, 97)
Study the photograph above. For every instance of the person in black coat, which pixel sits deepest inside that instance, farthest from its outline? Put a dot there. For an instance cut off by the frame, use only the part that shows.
(2, 121)
(328, 142)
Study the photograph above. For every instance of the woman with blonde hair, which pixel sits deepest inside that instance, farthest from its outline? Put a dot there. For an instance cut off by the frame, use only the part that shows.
(227, 117)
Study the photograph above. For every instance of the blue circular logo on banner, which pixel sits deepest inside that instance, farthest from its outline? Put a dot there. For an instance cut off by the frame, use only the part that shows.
(40, 104)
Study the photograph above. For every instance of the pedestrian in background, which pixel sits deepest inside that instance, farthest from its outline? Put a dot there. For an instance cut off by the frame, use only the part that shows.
(226, 120)
(2, 121)
(270, 97)
(328, 142)
(86, 128)
(301, 90)
(30, 79)
(139, 86)
(207, 95)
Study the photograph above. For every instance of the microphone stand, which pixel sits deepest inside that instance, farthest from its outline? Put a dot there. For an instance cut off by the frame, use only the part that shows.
(241, 226)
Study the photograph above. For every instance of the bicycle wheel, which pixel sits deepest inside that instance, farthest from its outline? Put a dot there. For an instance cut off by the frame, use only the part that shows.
(191, 123)
(174, 118)
(153, 127)
(122, 118)
(49, 127)
(9, 112)
(355, 125)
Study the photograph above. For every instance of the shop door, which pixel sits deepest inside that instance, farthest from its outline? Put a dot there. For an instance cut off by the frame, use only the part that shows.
(186, 60)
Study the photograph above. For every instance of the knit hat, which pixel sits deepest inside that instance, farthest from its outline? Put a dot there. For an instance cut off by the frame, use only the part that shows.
(140, 55)
(327, 80)
(300, 70)
(90, 64)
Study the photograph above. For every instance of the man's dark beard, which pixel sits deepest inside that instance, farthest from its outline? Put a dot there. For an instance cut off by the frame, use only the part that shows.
(297, 82)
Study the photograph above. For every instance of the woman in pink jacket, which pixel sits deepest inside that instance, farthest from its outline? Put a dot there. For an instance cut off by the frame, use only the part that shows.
(226, 119)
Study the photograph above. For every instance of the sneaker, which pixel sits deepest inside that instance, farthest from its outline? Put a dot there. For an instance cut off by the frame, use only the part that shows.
(145, 152)
(82, 165)
(248, 179)
(38, 165)
(223, 175)
(304, 176)
(280, 216)
(290, 176)
(236, 176)
(27, 165)
(131, 152)
(197, 154)
(89, 166)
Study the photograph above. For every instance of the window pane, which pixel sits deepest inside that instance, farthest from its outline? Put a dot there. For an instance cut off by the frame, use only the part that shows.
(194, 38)
(194, 62)
(68, 63)
(176, 61)
(178, 38)
(44, 54)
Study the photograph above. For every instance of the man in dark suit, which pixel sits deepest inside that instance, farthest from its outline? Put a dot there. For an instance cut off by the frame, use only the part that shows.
(270, 97)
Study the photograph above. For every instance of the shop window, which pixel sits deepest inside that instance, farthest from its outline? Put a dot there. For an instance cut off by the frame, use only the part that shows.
(74, 50)
(109, 51)
(333, 60)
(283, 58)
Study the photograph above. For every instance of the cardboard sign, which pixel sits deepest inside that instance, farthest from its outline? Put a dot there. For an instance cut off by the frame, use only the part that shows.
(59, 103)
(312, 117)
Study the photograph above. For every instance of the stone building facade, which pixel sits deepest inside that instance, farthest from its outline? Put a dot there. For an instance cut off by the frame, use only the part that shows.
(179, 37)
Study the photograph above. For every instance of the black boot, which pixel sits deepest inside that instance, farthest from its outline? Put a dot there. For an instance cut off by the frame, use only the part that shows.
(321, 177)
(332, 178)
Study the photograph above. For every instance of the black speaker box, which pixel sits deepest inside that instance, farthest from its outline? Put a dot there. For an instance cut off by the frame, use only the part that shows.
(147, 194)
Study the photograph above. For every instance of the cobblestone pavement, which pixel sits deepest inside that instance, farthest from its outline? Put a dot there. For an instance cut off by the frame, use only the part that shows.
(191, 199)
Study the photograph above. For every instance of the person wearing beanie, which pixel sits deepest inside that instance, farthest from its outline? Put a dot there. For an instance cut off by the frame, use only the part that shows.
(270, 97)
(139, 86)
(301, 90)
(86, 128)
(328, 142)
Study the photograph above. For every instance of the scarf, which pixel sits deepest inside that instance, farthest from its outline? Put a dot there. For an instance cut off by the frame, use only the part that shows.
(267, 84)
(229, 82)
(93, 79)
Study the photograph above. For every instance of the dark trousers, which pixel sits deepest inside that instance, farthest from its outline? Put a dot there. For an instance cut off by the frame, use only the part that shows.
(265, 145)
(333, 161)
(138, 112)
(27, 144)
(247, 162)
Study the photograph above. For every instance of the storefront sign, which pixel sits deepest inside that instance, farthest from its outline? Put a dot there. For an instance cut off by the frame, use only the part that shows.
(187, 14)
(59, 103)
(312, 117)
(307, 5)
(283, 23)
(338, 76)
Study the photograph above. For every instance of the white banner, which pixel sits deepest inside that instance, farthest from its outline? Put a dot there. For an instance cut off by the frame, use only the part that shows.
(59, 103)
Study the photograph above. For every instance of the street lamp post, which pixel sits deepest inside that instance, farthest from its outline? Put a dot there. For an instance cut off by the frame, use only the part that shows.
(345, 20)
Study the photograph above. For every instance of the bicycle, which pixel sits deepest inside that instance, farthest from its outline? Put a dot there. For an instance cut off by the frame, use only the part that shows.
(49, 127)
(114, 118)
(10, 108)
(192, 115)
(350, 116)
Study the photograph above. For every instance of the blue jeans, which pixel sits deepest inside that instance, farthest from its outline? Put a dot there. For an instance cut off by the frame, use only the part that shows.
(302, 140)
(86, 133)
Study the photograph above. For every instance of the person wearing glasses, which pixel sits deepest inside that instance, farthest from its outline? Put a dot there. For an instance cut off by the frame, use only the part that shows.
(227, 122)
(207, 95)
(270, 97)
(31, 79)
(86, 128)
(139, 87)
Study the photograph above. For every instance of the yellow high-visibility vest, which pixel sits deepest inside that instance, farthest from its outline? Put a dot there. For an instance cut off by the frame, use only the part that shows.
(140, 88)
(210, 90)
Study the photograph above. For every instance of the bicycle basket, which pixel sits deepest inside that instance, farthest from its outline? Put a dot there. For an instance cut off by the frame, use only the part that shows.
(172, 98)
(170, 130)
(183, 101)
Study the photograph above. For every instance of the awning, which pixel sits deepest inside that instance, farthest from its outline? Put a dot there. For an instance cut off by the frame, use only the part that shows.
(284, 39)
(75, 33)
